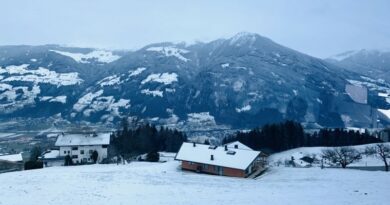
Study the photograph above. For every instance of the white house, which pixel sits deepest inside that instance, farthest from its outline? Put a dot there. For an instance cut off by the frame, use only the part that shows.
(81, 146)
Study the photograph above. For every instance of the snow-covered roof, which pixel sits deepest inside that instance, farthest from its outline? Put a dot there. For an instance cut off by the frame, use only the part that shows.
(201, 153)
(51, 154)
(83, 139)
(239, 145)
(12, 157)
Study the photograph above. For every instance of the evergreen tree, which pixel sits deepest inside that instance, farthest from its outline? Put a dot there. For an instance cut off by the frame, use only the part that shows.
(94, 156)
(35, 153)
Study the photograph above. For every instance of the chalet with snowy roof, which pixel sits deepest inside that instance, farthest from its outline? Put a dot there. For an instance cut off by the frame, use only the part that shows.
(221, 160)
(81, 146)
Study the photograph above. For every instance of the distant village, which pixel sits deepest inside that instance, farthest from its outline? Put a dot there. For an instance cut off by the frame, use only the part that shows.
(231, 158)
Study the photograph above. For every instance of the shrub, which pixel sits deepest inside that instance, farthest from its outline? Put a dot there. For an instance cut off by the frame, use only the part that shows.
(94, 156)
(68, 161)
(153, 157)
(33, 165)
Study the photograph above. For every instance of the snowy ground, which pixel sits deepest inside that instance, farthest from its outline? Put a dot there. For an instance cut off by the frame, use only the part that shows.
(164, 183)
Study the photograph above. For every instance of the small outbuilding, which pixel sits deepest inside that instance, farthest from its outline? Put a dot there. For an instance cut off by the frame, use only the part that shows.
(11, 162)
(227, 160)
(52, 158)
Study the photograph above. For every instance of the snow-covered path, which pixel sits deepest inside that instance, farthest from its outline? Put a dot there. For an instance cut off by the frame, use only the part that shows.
(163, 183)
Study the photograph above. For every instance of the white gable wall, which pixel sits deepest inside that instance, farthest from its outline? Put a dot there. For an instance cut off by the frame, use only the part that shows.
(77, 155)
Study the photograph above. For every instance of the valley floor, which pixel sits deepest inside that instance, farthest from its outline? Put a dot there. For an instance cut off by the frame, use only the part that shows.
(164, 183)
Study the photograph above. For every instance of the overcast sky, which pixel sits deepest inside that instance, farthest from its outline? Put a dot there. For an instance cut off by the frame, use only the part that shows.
(316, 27)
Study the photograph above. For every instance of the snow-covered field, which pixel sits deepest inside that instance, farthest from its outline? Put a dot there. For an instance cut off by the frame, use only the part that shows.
(165, 183)
(298, 153)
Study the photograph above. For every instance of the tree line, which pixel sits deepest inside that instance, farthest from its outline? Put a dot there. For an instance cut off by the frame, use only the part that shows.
(289, 134)
(145, 138)
(343, 156)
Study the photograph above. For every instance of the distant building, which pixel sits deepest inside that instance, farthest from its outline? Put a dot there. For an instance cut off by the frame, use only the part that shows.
(52, 158)
(228, 160)
(12, 157)
(81, 146)
(384, 135)
(11, 162)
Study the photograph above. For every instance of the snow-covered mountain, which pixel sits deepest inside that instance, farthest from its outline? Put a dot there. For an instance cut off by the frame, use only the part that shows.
(235, 83)
(372, 63)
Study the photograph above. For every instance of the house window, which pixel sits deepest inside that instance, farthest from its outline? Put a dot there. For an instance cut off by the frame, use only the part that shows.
(75, 148)
(90, 151)
(219, 170)
(205, 166)
(68, 152)
(64, 152)
(104, 146)
(74, 156)
(81, 151)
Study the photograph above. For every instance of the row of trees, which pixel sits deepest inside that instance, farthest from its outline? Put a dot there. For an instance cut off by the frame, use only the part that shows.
(289, 134)
(275, 137)
(344, 156)
(145, 139)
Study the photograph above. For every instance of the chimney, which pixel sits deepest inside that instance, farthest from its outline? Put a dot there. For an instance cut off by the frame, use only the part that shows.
(236, 146)
(193, 144)
(226, 148)
(212, 157)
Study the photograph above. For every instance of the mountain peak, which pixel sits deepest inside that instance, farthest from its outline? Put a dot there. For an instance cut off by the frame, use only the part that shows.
(361, 52)
(243, 37)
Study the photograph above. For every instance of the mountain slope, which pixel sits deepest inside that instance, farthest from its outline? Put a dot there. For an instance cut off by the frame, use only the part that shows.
(235, 83)
(372, 63)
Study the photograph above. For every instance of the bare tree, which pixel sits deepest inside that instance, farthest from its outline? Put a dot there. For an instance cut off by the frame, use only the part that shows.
(381, 151)
(341, 155)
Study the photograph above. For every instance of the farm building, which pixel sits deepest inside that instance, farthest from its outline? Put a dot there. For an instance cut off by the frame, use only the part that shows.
(221, 160)
(11, 162)
(81, 146)
(52, 158)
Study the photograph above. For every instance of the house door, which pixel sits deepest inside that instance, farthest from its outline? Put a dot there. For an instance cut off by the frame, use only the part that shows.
(220, 170)
(199, 168)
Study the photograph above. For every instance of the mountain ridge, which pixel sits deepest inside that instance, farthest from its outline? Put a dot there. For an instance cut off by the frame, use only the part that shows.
(241, 82)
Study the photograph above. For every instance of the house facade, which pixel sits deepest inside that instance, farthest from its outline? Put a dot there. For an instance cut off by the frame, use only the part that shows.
(81, 146)
(220, 160)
